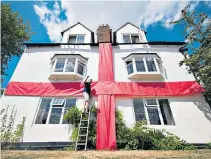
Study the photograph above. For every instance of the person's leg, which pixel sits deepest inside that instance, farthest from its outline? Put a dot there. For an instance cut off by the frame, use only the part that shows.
(86, 99)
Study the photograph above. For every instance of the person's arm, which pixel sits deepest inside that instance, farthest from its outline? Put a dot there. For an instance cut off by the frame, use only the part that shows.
(86, 79)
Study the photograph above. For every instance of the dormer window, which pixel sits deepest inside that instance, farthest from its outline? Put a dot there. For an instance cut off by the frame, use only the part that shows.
(68, 67)
(144, 66)
(131, 38)
(76, 39)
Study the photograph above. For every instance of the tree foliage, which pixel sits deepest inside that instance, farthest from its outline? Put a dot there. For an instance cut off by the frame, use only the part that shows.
(198, 36)
(14, 32)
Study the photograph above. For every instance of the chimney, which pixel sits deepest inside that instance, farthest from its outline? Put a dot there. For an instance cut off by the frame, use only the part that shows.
(104, 34)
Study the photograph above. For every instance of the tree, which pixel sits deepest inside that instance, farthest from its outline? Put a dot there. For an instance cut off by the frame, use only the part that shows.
(14, 32)
(198, 53)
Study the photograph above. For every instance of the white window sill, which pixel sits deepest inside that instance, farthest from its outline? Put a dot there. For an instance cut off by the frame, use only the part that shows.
(146, 75)
(65, 76)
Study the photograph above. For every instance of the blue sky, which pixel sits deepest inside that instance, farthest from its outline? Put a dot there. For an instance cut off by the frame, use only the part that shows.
(48, 19)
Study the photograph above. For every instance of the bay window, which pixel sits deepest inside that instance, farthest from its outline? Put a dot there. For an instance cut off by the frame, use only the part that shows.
(143, 65)
(68, 66)
(52, 110)
(155, 111)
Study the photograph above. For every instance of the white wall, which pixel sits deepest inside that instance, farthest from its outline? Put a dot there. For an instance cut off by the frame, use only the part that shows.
(192, 117)
(28, 107)
(35, 63)
(170, 57)
(78, 29)
(130, 29)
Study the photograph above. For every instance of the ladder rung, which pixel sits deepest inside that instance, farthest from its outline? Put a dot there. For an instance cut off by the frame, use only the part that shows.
(84, 120)
(81, 144)
(83, 127)
(82, 135)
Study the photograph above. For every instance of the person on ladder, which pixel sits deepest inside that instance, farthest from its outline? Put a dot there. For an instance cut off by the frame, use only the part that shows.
(87, 93)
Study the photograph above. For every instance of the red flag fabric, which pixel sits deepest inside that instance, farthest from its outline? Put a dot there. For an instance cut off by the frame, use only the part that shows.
(142, 89)
(106, 128)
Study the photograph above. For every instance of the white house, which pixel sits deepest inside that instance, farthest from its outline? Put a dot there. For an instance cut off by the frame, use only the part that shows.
(41, 89)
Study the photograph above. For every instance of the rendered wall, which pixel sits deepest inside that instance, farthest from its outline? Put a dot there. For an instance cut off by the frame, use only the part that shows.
(191, 114)
(28, 107)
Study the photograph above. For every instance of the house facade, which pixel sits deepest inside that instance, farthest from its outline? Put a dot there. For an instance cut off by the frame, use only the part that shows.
(47, 82)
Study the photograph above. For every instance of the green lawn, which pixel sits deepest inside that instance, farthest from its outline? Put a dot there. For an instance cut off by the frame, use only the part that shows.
(191, 154)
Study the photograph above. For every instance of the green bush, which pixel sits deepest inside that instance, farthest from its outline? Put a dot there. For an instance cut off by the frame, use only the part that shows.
(138, 137)
(209, 145)
(72, 116)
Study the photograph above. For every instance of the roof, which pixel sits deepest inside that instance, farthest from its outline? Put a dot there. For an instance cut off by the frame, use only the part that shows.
(141, 54)
(130, 24)
(70, 55)
(74, 26)
(113, 44)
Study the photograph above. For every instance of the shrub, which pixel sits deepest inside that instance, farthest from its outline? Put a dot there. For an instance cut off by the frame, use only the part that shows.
(9, 134)
(209, 145)
(138, 137)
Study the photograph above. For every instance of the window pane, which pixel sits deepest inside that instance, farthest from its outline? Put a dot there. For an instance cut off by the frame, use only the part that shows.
(58, 101)
(140, 66)
(126, 38)
(43, 111)
(151, 101)
(59, 65)
(151, 65)
(135, 39)
(69, 103)
(70, 65)
(139, 109)
(154, 118)
(130, 67)
(55, 115)
(80, 39)
(166, 112)
(72, 39)
(80, 68)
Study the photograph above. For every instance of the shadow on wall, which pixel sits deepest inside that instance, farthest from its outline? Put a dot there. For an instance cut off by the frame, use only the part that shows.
(204, 107)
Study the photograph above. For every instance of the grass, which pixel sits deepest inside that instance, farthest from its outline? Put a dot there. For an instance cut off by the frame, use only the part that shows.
(136, 154)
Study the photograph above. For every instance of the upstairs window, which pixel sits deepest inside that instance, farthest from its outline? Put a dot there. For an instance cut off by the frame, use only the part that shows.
(144, 66)
(76, 39)
(131, 38)
(69, 63)
(156, 112)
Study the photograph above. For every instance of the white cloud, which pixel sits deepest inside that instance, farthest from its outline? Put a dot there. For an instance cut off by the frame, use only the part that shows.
(208, 3)
(92, 14)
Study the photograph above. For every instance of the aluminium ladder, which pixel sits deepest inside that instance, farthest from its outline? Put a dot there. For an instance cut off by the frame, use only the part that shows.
(83, 130)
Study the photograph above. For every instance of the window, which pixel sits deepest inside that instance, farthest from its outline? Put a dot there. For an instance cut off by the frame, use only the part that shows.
(129, 67)
(156, 112)
(52, 110)
(70, 66)
(80, 68)
(76, 39)
(60, 65)
(130, 38)
(151, 64)
(142, 64)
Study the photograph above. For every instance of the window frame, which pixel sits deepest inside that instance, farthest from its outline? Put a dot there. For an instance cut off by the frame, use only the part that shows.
(50, 110)
(131, 34)
(76, 39)
(77, 60)
(152, 107)
(143, 58)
